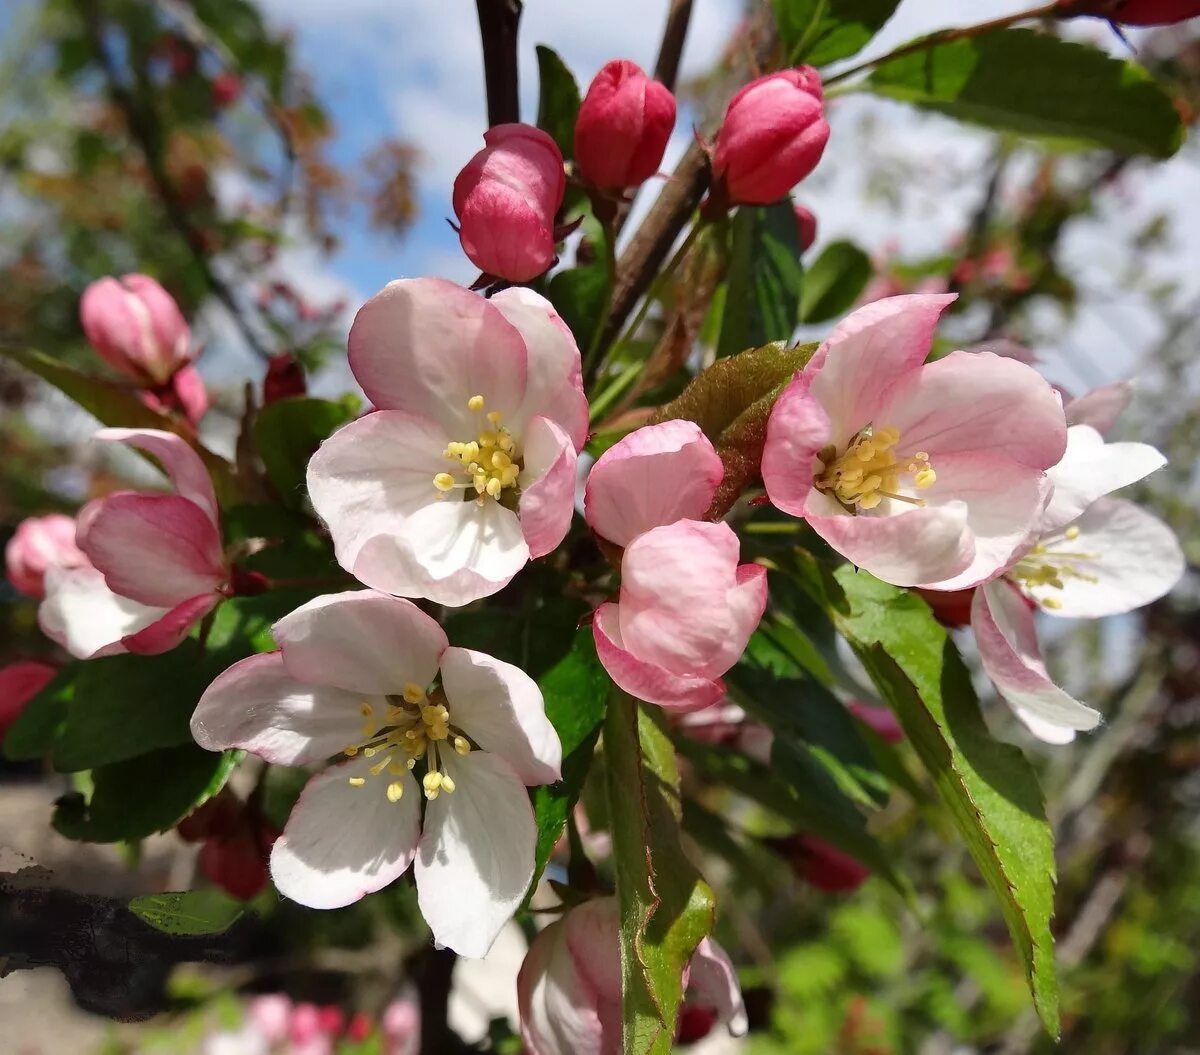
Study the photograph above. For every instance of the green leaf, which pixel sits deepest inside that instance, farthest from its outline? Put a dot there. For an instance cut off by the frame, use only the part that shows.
(558, 100)
(575, 691)
(834, 282)
(580, 294)
(762, 303)
(822, 31)
(989, 787)
(1036, 84)
(31, 735)
(116, 404)
(288, 432)
(189, 911)
(666, 907)
(140, 796)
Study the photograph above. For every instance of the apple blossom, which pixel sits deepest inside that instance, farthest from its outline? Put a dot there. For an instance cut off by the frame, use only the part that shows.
(20, 682)
(1100, 407)
(353, 677)
(569, 987)
(184, 394)
(686, 607)
(38, 544)
(806, 227)
(156, 563)
(467, 468)
(773, 135)
(623, 126)
(136, 327)
(1094, 556)
(927, 475)
(506, 198)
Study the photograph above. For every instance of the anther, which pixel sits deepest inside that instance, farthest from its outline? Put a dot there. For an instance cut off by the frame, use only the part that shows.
(443, 482)
(395, 790)
(475, 403)
(461, 745)
(413, 693)
(1072, 532)
(357, 782)
(447, 784)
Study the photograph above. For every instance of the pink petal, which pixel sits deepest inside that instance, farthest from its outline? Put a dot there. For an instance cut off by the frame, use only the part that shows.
(978, 401)
(257, 706)
(1008, 649)
(37, 544)
(501, 708)
(20, 682)
(426, 346)
(1091, 468)
(475, 858)
(712, 982)
(360, 641)
(343, 842)
(868, 353)
(647, 681)
(1125, 558)
(371, 475)
(686, 605)
(1100, 407)
(83, 615)
(547, 501)
(450, 552)
(557, 1007)
(159, 550)
(165, 633)
(181, 463)
(654, 476)
(921, 545)
(797, 430)
(554, 384)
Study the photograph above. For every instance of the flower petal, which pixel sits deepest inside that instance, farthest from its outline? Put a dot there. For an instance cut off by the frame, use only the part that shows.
(978, 402)
(1008, 649)
(554, 383)
(178, 458)
(501, 708)
(1124, 556)
(256, 705)
(797, 430)
(166, 632)
(158, 550)
(372, 474)
(475, 859)
(868, 353)
(83, 615)
(654, 476)
(343, 842)
(1100, 407)
(1090, 469)
(558, 1010)
(712, 982)
(647, 681)
(547, 501)
(451, 552)
(426, 346)
(922, 545)
(360, 641)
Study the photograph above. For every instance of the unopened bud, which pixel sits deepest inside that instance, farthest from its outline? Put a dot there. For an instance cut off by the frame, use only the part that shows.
(624, 124)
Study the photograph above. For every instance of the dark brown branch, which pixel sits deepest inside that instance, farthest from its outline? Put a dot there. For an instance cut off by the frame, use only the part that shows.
(666, 69)
(146, 132)
(498, 24)
(432, 970)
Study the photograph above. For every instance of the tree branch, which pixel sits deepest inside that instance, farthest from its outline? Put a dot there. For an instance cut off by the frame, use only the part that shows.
(498, 23)
(666, 68)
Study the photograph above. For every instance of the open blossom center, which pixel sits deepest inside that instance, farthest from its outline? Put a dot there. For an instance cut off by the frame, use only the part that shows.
(412, 727)
(870, 470)
(489, 462)
(1049, 567)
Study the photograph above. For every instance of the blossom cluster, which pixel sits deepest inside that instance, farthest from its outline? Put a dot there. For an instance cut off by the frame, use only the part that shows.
(963, 473)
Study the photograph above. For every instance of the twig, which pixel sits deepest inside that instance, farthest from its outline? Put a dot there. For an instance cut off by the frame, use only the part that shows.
(432, 970)
(498, 23)
(666, 68)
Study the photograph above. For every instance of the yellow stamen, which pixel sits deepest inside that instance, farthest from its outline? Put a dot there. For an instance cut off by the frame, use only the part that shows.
(1072, 532)
(447, 784)
(413, 693)
(869, 470)
(475, 403)
(1053, 603)
(461, 745)
(357, 782)
(443, 482)
(394, 791)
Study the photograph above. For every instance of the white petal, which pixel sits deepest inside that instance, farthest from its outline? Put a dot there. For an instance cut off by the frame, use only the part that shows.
(475, 859)
(1124, 557)
(83, 615)
(712, 982)
(558, 1008)
(501, 708)
(1047, 732)
(256, 705)
(1091, 468)
(343, 842)
(361, 641)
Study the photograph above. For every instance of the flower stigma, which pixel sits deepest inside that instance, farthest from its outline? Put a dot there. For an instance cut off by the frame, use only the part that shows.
(870, 470)
(489, 460)
(413, 726)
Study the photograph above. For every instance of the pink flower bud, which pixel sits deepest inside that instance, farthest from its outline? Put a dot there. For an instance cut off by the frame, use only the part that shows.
(806, 226)
(824, 866)
(38, 544)
(623, 127)
(226, 89)
(951, 608)
(271, 1015)
(506, 198)
(184, 394)
(1135, 12)
(773, 135)
(136, 327)
(285, 377)
(19, 683)
(879, 718)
